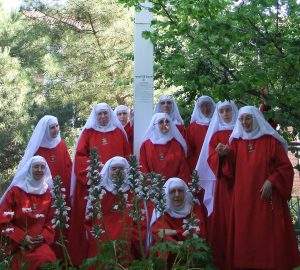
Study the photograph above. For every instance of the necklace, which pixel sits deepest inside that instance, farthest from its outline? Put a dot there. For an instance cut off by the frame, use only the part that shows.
(250, 147)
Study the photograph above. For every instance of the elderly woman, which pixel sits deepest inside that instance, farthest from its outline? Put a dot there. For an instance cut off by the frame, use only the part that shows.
(167, 104)
(164, 150)
(25, 215)
(124, 115)
(46, 141)
(116, 196)
(170, 225)
(103, 132)
(218, 188)
(196, 131)
(261, 230)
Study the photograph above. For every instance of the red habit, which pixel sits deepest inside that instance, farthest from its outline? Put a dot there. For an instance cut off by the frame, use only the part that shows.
(168, 222)
(59, 162)
(195, 138)
(129, 131)
(116, 224)
(36, 222)
(182, 130)
(108, 145)
(218, 221)
(166, 159)
(261, 232)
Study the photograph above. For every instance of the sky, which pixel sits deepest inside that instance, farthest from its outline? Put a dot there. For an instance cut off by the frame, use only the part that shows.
(10, 5)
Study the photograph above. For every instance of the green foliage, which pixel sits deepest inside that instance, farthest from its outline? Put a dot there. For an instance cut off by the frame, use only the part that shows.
(60, 60)
(12, 120)
(230, 50)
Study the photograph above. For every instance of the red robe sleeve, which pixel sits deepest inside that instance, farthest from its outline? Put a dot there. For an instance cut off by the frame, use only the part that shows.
(227, 166)
(218, 165)
(282, 174)
(184, 170)
(82, 157)
(48, 232)
(8, 205)
(143, 159)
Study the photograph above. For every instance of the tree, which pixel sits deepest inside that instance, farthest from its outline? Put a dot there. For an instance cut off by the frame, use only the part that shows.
(230, 50)
(12, 120)
(71, 56)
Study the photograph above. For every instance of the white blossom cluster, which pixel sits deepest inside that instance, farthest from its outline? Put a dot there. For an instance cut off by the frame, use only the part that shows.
(194, 185)
(97, 231)
(61, 212)
(7, 230)
(26, 210)
(95, 194)
(156, 192)
(138, 182)
(139, 186)
(8, 213)
(122, 197)
(191, 227)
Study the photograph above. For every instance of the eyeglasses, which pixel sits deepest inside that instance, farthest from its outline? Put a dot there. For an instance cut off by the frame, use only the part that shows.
(245, 118)
(163, 121)
(124, 113)
(168, 102)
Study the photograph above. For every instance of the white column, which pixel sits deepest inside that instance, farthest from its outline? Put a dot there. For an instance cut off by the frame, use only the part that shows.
(143, 75)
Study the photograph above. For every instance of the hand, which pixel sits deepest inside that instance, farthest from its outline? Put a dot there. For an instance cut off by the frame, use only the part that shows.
(38, 239)
(28, 242)
(166, 232)
(222, 149)
(31, 241)
(266, 190)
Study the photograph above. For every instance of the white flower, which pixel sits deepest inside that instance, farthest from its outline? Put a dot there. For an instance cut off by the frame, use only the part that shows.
(39, 215)
(26, 210)
(8, 213)
(63, 189)
(8, 230)
(116, 207)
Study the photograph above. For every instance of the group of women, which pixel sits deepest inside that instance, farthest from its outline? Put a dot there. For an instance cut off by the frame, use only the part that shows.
(245, 182)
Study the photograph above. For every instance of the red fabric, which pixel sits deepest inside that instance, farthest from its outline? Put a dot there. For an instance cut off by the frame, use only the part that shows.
(116, 224)
(182, 130)
(261, 232)
(129, 131)
(59, 162)
(168, 222)
(108, 145)
(195, 138)
(167, 159)
(28, 224)
(218, 221)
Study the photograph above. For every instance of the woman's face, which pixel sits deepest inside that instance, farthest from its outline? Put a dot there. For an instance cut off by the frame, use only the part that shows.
(103, 118)
(206, 108)
(247, 122)
(177, 197)
(54, 130)
(226, 114)
(116, 171)
(123, 117)
(166, 106)
(164, 125)
(38, 171)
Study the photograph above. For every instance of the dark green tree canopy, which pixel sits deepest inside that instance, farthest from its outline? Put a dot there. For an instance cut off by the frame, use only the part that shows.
(240, 50)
